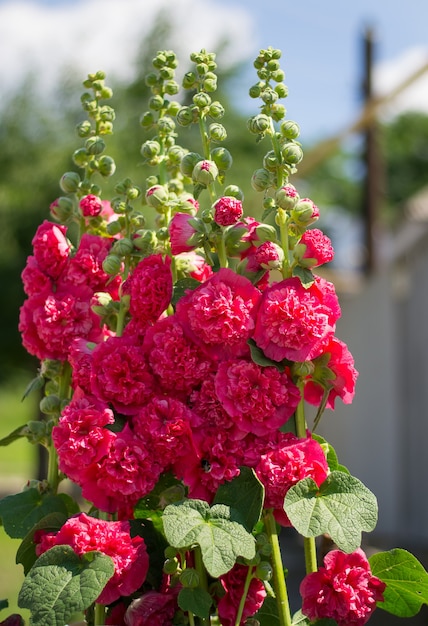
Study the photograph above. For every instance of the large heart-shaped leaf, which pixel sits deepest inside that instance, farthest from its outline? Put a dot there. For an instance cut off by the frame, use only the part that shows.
(220, 538)
(341, 507)
(61, 583)
(406, 581)
(245, 495)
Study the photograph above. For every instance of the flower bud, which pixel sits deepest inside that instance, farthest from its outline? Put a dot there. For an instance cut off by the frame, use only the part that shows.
(189, 577)
(146, 241)
(156, 103)
(80, 157)
(269, 96)
(176, 154)
(277, 112)
(265, 232)
(185, 116)
(255, 90)
(305, 212)
(114, 228)
(95, 145)
(269, 256)
(62, 208)
(170, 552)
(112, 264)
(205, 172)
(189, 80)
(84, 128)
(270, 161)
(292, 153)
(281, 90)
(150, 149)
(171, 566)
(216, 110)
(222, 158)
(217, 132)
(106, 166)
(210, 84)
(50, 405)
(157, 196)
(166, 125)
(171, 87)
(264, 571)
(278, 75)
(173, 108)
(287, 197)
(202, 100)
(290, 129)
(119, 206)
(261, 179)
(69, 182)
(259, 124)
(235, 191)
(121, 247)
(90, 205)
(147, 119)
(227, 211)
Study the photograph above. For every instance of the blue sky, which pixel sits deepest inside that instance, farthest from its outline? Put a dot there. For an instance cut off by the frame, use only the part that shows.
(321, 44)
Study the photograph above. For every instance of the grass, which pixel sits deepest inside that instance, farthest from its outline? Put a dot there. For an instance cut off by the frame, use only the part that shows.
(17, 465)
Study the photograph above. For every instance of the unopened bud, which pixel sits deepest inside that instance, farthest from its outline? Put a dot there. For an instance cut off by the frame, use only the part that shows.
(287, 197)
(84, 129)
(261, 179)
(205, 172)
(189, 578)
(157, 196)
(292, 153)
(202, 100)
(95, 145)
(235, 191)
(185, 116)
(106, 166)
(50, 405)
(122, 247)
(222, 158)
(290, 129)
(216, 110)
(259, 124)
(112, 264)
(70, 182)
(217, 132)
(150, 149)
(264, 571)
(188, 163)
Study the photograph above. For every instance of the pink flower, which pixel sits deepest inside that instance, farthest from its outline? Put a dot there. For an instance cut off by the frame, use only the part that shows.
(178, 364)
(207, 406)
(341, 375)
(269, 256)
(34, 280)
(233, 583)
(51, 248)
(344, 589)
(150, 289)
(50, 322)
(183, 235)
(90, 205)
(120, 375)
(80, 437)
(86, 534)
(318, 248)
(260, 399)
(129, 472)
(291, 460)
(227, 211)
(80, 359)
(194, 265)
(295, 323)
(153, 608)
(219, 314)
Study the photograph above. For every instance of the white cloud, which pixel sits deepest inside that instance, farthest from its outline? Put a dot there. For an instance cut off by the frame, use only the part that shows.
(390, 74)
(88, 35)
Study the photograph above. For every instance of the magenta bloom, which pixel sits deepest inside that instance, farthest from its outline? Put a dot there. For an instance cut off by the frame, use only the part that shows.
(337, 358)
(178, 363)
(120, 375)
(34, 280)
(80, 437)
(219, 314)
(233, 583)
(227, 211)
(153, 608)
(344, 589)
(318, 248)
(150, 288)
(260, 399)
(291, 460)
(295, 323)
(183, 235)
(86, 534)
(51, 248)
(90, 205)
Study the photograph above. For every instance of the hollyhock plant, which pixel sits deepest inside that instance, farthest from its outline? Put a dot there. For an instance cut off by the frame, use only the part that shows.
(180, 342)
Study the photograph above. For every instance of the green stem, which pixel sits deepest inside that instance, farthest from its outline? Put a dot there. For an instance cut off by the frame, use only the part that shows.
(221, 251)
(321, 408)
(278, 571)
(300, 414)
(244, 595)
(203, 580)
(204, 138)
(310, 554)
(100, 615)
(64, 394)
(283, 231)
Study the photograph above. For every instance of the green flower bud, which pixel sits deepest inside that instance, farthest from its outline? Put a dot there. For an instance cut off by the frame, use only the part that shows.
(217, 132)
(50, 405)
(104, 301)
(107, 114)
(305, 212)
(114, 228)
(173, 108)
(205, 172)
(106, 166)
(157, 196)
(166, 125)
(175, 185)
(171, 87)
(270, 161)
(264, 571)
(281, 90)
(156, 103)
(287, 197)
(265, 550)
(95, 145)
(150, 149)
(176, 154)
(84, 128)
(272, 65)
(147, 119)
(261, 179)
(292, 153)
(166, 73)
(122, 247)
(256, 90)
(133, 193)
(302, 370)
(62, 209)
(162, 234)
(265, 232)
(95, 190)
(202, 68)
(189, 80)
(188, 163)
(269, 96)
(170, 552)
(80, 157)
(69, 182)
(112, 264)
(185, 116)
(278, 112)
(171, 566)
(216, 110)
(234, 191)
(278, 76)
(119, 206)
(210, 84)
(259, 124)
(146, 241)
(189, 577)
(202, 100)
(222, 158)
(151, 180)
(290, 129)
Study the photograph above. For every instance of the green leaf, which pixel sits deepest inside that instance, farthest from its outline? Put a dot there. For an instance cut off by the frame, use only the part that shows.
(332, 460)
(3, 604)
(26, 554)
(14, 435)
(267, 615)
(258, 356)
(168, 490)
(152, 532)
(20, 512)
(196, 600)
(306, 277)
(220, 538)
(61, 583)
(244, 494)
(181, 286)
(406, 581)
(342, 507)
